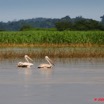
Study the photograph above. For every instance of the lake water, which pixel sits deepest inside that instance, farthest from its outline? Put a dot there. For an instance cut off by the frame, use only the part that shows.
(71, 81)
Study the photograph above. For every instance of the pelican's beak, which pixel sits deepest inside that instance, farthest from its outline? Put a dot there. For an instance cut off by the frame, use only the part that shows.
(29, 58)
(51, 61)
(53, 64)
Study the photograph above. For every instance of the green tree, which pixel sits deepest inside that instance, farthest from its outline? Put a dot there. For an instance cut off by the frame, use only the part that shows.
(62, 25)
(102, 19)
(26, 27)
(87, 24)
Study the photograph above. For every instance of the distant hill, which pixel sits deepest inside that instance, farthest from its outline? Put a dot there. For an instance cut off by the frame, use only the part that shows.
(35, 23)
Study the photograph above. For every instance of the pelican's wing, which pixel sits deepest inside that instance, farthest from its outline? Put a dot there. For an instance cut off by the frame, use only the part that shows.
(24, 64)
(27, 63)
(44, 66)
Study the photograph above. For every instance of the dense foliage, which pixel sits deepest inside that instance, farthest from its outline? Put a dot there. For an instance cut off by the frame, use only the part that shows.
(79, 24)
(52, 37)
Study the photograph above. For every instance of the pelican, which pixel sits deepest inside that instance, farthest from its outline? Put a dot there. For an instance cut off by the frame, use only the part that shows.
(25, 64)
(49, 65)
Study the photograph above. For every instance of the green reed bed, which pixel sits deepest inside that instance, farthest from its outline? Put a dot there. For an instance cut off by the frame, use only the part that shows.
(52, 37)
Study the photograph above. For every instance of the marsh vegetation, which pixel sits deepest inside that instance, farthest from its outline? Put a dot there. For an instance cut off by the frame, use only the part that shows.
(52, 43)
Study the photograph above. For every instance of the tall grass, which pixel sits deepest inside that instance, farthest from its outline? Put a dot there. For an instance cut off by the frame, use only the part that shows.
(53, 52)
(52, 37)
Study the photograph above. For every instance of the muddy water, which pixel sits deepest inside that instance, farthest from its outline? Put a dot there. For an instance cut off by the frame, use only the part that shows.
(70, 81)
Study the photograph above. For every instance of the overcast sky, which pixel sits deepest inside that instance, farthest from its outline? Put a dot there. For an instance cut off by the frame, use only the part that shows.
(26, 9)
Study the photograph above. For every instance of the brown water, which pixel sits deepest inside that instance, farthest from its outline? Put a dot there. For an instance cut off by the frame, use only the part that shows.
(71, 81)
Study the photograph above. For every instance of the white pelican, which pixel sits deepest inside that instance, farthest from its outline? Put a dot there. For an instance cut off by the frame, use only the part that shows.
(25, 64)
(49, 65)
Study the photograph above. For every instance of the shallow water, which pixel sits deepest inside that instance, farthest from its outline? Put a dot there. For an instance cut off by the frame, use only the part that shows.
(70, 81)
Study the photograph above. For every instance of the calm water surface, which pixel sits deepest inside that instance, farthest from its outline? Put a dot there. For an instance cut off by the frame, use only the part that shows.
(71, 81)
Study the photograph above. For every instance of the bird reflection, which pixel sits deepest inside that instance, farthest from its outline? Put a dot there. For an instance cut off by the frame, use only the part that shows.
(47, 72)
(26, 71)
(25, 75)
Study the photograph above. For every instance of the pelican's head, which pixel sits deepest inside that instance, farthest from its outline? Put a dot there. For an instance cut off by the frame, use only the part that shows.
(26, 56)
(46, 57)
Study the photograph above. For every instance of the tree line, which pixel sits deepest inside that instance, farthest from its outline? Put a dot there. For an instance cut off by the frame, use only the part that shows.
(65, 23)
(79, 23)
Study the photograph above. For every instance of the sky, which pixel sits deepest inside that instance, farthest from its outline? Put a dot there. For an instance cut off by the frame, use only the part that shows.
(13, 10)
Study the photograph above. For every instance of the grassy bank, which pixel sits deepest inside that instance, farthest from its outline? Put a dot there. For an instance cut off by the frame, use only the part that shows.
(65, 44)
(35, 38)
